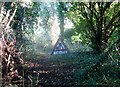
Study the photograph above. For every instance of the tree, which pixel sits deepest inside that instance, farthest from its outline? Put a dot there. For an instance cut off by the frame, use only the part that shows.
(60, 8)
(24, 21)
(99, 20)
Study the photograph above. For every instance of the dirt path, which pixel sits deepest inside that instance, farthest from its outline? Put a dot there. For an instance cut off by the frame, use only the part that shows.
(48, 72)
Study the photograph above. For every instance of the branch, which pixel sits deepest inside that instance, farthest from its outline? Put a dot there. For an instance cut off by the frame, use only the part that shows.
(90, 22)
(91, 10)
(107, 5)
(1, 11)
(112, 20)
(94, 8)
(11, 18)
(111, 32)
(116, 25)
(5, 20)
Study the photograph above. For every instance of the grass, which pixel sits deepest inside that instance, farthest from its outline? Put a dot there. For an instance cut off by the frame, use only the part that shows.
(80, 62)
(74, 66)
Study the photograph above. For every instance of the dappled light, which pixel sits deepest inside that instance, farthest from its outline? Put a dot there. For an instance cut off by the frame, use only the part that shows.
(46, 44)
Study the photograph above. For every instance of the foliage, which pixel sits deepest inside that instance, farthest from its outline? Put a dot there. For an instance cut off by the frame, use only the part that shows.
(96, 24)
(83, 71)
(96, 21)
(25, 19)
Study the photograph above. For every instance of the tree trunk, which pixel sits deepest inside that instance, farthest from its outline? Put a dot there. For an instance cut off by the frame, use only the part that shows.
(61, 18)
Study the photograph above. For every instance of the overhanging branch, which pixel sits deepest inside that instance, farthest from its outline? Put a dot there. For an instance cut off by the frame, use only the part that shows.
(107, 5)
(93, 11)
(90, 22)
(112, 21)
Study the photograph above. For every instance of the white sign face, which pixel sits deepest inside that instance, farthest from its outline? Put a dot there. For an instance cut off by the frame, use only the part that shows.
(60, 52)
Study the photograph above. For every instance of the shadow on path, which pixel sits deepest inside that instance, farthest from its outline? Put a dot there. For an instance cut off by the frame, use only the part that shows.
(48, 73)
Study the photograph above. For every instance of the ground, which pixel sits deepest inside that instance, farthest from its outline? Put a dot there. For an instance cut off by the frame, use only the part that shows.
(67, 70)
(55, 69)
(49, 72)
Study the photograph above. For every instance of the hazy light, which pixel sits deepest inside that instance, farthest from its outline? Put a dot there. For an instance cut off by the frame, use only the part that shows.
(25, 3)
(55, 31)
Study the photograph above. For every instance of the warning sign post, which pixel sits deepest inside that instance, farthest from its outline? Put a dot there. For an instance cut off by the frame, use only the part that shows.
(60, 47)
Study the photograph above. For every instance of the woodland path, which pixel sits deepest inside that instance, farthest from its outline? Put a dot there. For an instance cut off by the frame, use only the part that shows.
(49, 72)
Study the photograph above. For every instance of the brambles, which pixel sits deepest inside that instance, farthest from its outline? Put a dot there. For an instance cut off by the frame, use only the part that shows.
(10, 55)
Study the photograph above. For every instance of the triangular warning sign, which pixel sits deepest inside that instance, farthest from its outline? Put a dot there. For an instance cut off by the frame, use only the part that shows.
(60, 47)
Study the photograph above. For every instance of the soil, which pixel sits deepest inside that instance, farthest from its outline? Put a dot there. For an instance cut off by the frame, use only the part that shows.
(46, 73)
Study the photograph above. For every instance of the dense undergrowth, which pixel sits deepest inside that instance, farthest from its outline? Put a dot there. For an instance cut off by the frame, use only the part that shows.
(107, 74)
